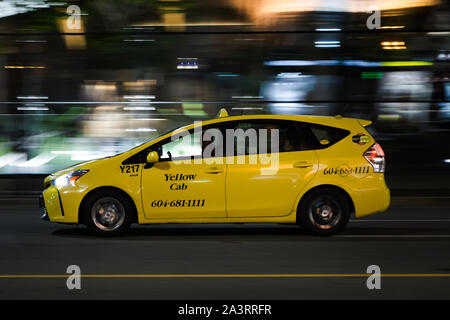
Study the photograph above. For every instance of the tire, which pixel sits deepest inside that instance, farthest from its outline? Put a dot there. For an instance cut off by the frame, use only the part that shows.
(324, 212)
(107, 213)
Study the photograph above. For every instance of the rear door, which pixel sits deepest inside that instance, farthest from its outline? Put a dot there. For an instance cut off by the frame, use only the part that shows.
(268, 187)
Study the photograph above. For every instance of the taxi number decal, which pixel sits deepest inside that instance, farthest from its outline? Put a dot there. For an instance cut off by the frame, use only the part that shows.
(345, 171)
(130, 169)
(178, 203)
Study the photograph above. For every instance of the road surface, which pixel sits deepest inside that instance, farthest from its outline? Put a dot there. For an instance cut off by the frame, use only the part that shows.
(410, 243)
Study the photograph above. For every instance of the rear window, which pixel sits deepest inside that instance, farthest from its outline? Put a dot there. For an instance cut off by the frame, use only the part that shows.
(320, 137)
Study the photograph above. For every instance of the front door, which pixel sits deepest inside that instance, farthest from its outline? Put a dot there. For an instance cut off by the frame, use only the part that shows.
(181, 185)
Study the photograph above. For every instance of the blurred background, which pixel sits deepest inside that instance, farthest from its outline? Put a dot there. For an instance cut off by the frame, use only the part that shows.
(81, 80)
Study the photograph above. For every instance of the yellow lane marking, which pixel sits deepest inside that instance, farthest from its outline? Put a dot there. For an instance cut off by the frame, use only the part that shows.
(305, 275)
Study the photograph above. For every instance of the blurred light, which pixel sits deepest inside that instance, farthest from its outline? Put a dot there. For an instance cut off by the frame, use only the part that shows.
(388, 117)
(141, 130)
(247, 97)
(439, 33)
(353, 63)
(289, 75)
(187, 66)
(189, 24)
(392, 27)
(290, 63)
(443, 56)
(24, 67)
(139, 83)
(261, 9)
(139, 40)
(328, 29)
(248, 39)
(247, 108)
(395, 48)
(327, 44)
(447, 160)
(32, 97)
(301, 63)
(406, 63)
(31, 41)
(227, 74)
(372, 75)
(139, 108)
(193, 110)
(139, 97)
(187, 63)
(38, 6)
(149, 119)
(392, 43)
(32, 108)
(360, 63)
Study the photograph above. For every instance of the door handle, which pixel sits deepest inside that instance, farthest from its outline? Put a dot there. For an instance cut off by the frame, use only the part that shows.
(302, 164)
(213, 170)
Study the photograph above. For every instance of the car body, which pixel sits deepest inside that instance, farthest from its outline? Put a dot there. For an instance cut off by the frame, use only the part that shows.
(325, 167)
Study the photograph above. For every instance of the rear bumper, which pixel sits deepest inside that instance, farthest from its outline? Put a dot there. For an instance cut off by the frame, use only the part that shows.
(373, 201)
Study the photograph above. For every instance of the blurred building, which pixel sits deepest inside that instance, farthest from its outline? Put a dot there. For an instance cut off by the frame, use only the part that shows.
(99, 78)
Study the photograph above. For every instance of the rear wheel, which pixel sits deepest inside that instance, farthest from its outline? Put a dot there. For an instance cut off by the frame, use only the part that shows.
(324, 212)
(107, 213)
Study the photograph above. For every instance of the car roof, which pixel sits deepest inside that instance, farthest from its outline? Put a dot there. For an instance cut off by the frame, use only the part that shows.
(336, 121)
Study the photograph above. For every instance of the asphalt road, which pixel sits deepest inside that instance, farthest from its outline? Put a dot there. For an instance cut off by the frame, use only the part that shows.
(411, 239)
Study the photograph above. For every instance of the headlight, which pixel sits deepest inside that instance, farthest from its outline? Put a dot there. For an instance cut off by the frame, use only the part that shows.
(71, 178)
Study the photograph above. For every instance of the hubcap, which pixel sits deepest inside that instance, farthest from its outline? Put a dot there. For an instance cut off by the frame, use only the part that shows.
(108, 214)
(324, 213)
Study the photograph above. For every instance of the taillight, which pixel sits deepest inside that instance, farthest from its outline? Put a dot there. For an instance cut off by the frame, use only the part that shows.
(375, 156)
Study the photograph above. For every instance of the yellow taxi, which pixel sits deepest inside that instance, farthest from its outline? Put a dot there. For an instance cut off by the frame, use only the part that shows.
(314, 171)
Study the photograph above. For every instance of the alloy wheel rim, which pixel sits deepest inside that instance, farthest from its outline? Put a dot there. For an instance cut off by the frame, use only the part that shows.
(325, 213)
(108, 214)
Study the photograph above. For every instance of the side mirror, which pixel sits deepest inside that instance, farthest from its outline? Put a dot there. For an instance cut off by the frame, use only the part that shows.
(152, 157)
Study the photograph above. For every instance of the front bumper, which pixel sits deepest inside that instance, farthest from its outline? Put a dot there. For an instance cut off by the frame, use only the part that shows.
(42, 206)
(51, 201)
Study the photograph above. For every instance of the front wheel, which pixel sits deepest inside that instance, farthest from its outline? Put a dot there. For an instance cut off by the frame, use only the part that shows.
(107, 213)
(324, 212)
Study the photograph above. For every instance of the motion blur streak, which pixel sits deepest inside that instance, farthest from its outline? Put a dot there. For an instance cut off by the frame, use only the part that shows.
(133, 69)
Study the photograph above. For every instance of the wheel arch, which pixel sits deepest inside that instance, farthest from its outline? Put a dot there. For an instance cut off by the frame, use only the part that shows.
(106, 188)
(327, 186)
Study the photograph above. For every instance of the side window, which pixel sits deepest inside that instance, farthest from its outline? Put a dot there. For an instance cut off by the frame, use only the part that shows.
(184, 146)
(320, 137)
(249, 140)
(205, 144)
